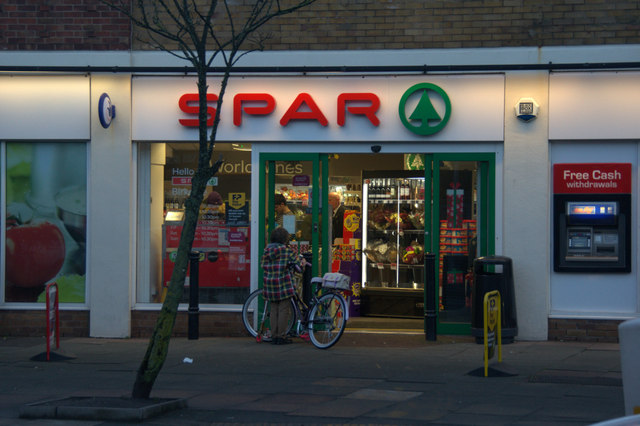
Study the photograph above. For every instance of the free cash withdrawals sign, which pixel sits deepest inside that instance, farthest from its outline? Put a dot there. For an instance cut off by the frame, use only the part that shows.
(592, 178)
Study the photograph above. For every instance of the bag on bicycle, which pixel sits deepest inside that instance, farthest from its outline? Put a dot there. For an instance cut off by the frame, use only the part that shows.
(336, 280)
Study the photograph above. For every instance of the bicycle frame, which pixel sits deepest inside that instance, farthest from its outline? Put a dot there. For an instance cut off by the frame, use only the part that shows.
(322, 318)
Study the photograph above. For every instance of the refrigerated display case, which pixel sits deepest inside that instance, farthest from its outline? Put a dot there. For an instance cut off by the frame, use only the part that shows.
(393, 243)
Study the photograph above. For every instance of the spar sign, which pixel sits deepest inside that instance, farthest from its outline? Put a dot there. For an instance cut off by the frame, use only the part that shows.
(592, 178)
(424, 119)
(313, 108)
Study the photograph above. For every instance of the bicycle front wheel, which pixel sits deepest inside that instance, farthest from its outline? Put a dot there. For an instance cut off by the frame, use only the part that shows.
(256, 313)
(327, 320)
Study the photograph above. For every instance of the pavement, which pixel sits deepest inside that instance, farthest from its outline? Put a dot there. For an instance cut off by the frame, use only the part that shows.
(369, 377)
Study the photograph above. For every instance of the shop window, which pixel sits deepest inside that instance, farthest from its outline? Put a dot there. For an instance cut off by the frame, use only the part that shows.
(45, 221)
(222, 236)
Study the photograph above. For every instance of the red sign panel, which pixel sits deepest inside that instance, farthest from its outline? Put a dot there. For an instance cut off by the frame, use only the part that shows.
(592, 178)
(179, 180)
(230, 265)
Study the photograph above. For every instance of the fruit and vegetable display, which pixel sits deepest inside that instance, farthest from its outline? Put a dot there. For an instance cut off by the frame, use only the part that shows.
(293, 194)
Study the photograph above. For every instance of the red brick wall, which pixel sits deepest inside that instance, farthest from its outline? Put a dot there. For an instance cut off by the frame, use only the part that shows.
(62, 25)
(583, 330)
(31, 323)
(348, 24)
(211, 324)
(414, 24)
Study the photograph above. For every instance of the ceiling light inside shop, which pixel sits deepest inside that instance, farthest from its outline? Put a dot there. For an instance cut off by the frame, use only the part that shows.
(241, 147)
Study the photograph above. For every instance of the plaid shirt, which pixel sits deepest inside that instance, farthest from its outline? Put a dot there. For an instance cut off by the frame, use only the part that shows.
(278, 283)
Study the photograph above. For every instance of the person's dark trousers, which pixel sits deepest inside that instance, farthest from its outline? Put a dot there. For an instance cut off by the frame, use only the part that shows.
(279, 318)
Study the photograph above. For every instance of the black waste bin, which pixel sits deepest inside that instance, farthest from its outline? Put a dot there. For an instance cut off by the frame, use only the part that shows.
(493, 273)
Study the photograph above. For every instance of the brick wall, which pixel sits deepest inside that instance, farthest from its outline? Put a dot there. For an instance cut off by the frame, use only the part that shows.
(32, 323)
(62, 25)
(411, 24)
(583, 330)
(211, 324)
(348, 24)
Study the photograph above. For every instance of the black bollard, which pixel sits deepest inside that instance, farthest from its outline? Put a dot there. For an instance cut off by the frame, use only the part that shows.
(430, 304)
(194, 314)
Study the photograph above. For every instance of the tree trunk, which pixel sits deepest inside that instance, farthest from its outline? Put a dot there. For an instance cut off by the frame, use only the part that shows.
(158, 347)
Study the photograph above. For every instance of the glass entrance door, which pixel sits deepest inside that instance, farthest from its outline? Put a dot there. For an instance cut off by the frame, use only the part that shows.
(463, 228)
(294, 195)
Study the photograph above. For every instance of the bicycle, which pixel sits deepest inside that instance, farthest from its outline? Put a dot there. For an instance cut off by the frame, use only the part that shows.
(324, 317)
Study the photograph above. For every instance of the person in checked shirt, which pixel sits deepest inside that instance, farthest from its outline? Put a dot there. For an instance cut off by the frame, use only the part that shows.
(277, 259)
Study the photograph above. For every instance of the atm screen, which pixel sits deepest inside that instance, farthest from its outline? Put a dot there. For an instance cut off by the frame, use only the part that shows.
(592, 213)
(580, 240)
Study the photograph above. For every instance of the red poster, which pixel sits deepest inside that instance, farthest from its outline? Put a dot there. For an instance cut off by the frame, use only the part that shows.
(592, 178)
(224, 259)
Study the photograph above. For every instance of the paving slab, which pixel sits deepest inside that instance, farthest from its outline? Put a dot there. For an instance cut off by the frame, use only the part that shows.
(362, 380)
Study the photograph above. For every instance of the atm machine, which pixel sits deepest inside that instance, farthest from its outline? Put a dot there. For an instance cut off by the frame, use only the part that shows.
(592, 217)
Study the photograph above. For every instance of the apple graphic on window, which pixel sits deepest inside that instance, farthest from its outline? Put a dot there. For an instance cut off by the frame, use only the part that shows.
(35, 253)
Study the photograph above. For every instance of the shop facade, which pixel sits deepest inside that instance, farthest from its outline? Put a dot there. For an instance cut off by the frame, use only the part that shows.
(460, 164)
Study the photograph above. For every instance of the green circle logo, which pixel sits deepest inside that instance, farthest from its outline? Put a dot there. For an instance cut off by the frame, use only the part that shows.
(424, 112)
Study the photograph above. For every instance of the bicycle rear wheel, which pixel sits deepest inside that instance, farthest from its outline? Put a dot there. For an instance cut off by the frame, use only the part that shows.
(256, 313)
(327, 320)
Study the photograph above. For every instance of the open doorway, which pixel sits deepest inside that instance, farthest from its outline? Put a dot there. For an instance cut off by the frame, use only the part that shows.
(397, 207)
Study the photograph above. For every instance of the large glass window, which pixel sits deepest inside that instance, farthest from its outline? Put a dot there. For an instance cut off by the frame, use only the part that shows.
(222, 236)
(45, 221)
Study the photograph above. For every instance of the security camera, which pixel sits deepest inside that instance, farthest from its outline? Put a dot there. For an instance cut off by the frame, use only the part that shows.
(375, 148)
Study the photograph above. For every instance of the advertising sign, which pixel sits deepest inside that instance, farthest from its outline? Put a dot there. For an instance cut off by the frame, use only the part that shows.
(371, 108)
(592, 178)
(492, 328)
(45, 221)
(224, 254)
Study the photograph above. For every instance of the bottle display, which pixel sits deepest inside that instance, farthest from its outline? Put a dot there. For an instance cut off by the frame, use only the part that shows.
(393, 229)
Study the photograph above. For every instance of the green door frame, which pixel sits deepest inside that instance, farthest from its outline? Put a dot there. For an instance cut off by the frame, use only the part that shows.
(486, 225)
(319, 179)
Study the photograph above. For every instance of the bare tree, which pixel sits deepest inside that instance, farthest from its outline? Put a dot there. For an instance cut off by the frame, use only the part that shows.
(200, 32)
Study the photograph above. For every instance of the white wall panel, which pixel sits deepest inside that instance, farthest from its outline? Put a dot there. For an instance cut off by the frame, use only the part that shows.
(44, 107)
(597, 105)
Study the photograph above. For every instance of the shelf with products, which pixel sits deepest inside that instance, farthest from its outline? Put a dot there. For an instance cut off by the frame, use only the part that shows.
(350, 190)
(457, 250)
(390, 201)
(393, 229)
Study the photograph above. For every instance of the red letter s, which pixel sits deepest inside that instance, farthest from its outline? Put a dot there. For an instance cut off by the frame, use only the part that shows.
(185, 103)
